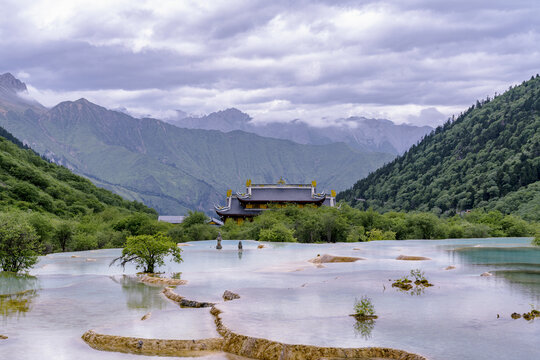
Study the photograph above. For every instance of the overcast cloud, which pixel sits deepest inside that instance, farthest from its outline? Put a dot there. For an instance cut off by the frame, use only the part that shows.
(408, 61)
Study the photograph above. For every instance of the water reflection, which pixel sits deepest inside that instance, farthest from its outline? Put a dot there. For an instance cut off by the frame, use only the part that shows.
(16, 294)
(417, 290)
(139, 295)
(363, 328)
(17, 304)
(527, 281)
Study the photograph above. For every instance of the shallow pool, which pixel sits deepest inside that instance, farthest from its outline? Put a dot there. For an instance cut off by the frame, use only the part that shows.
(285, 298)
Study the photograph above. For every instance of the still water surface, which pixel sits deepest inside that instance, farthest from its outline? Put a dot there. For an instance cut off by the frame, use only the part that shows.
(287, 299)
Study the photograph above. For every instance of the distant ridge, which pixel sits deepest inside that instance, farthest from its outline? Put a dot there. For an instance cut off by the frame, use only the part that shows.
(357, 132)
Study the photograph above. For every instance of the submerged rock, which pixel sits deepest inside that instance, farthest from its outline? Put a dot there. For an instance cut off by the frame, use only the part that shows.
(412, 258)
(75, 256)
(486, 274)
(229, 295)
(364, 317)
(182, 301)
(146, 316)
(451, 267)
(515, 316)
(261, 246)
(3, 337)
(90, 260)
(326, 258)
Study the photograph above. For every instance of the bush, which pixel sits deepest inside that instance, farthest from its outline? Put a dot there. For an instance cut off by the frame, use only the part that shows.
(82, 241)
(200, 232)
(364, 307)
(19, 243)
(357, 233)
(476, 230)
(277, 233)
(536, 240)
(376, 234)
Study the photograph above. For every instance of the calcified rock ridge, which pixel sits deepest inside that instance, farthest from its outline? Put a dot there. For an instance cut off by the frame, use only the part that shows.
(161, 281)
(237, 344)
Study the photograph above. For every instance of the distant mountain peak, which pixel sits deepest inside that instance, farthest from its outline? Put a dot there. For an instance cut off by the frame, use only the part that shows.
(232, 113)
(10, 82)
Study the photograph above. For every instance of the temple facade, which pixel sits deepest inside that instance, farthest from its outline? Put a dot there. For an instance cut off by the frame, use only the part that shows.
(259, 197)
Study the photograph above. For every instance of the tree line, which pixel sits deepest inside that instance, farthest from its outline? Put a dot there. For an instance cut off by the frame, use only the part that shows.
(326, 224)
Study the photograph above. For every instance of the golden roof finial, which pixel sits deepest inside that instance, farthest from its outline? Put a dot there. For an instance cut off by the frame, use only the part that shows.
(281, 181)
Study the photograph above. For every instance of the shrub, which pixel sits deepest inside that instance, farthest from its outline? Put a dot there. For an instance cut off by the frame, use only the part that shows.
(277, 233)
(19, 243)
(356, 234)
(376, 234)
(364, 307)
(82, 241)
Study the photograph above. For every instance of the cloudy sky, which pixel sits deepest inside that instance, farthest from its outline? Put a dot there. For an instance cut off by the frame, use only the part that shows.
(409, 61)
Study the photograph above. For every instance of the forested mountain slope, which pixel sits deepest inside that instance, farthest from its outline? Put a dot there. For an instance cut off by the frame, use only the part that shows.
(172, 169)
(488, 157)
(29, 183)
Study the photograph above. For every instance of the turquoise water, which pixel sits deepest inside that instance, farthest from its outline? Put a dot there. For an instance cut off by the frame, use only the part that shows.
(285, 298)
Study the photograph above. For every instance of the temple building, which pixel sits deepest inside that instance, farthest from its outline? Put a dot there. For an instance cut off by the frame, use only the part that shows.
(258, 197)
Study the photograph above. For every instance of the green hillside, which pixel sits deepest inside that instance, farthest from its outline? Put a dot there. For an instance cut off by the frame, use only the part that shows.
(60, 204)
(173, 169)
(489, 157)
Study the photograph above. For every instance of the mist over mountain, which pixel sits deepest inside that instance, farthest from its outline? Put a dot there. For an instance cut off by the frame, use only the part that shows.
(358, 132)
(14, 95)
(166, 167)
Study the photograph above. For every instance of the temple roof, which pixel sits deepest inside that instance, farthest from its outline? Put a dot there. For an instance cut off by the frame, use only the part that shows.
(281, 194)
(236, 209)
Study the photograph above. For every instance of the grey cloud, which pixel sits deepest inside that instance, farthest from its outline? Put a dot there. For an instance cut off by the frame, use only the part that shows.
(425, 53)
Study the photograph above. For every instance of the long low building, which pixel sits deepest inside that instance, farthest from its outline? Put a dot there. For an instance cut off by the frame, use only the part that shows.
(259, 197)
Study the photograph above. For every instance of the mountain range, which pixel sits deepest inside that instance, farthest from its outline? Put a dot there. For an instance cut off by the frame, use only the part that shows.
(169, 168)
(358, 132)
(489, 157)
